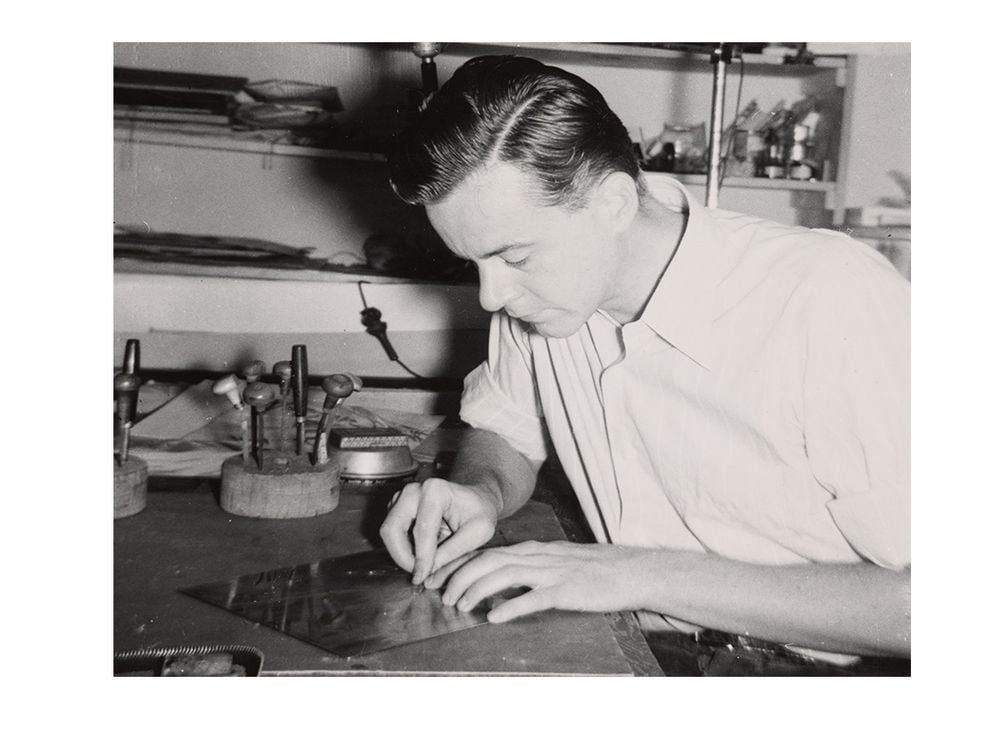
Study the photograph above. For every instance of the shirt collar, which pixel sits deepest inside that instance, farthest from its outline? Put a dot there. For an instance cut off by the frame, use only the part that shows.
(680, 309)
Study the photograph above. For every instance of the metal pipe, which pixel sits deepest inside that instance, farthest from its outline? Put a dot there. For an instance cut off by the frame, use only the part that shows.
(259, 396)
(720, 59)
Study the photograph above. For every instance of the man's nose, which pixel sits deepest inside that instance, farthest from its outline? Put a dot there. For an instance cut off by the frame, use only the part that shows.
(494, 289)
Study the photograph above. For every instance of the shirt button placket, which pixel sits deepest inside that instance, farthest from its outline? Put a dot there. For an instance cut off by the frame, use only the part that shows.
(613, 384)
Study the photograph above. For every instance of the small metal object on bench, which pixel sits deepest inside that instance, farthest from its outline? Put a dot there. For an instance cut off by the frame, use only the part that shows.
(372, 454)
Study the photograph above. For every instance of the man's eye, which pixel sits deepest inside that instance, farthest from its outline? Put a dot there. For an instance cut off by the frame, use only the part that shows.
(516, 263)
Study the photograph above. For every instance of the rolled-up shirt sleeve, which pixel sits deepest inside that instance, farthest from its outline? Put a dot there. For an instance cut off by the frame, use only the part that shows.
(501, 396)
(857, 404)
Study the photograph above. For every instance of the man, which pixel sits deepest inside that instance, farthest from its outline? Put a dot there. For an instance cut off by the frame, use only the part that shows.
(728, 397)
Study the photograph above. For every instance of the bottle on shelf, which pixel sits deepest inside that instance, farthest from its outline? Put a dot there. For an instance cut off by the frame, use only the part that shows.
(745, 142)
(774, 157)
(799, 166)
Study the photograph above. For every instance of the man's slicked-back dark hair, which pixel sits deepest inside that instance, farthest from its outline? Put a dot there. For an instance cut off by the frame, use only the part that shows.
(550, 123)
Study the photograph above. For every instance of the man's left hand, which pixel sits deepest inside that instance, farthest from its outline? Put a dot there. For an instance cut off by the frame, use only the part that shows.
(560, 575)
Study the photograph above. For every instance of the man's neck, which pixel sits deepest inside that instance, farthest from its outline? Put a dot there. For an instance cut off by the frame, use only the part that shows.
(645, 252)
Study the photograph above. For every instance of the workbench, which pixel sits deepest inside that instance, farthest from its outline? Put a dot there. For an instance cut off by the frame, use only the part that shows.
(183, 538)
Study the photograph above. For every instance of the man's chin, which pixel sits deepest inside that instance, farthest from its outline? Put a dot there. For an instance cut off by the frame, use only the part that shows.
(555, 329)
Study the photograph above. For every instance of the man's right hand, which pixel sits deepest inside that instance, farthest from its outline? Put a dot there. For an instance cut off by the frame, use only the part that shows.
(462, 518)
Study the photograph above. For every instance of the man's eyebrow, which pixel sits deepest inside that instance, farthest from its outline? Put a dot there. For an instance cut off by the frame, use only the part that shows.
(505, 248)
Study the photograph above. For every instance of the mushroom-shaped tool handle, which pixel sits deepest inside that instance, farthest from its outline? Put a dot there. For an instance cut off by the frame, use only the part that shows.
(229, 387)
(337, 388)
(283, 371)
(259, 395)
(253, 371)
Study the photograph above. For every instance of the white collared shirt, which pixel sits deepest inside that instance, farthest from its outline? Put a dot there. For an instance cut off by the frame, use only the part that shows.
(758, 408)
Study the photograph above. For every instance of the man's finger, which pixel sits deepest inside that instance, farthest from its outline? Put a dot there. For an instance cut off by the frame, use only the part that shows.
(485, 563)
(537, 600)
(469, 537)
(443, 572)
(435, 497)
(395, 529)
(499, 580)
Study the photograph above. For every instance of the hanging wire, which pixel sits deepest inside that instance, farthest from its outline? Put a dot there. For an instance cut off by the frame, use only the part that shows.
(414, 374)
(384, 334)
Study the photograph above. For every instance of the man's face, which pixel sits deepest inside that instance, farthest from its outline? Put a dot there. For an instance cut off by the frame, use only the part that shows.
(545, 265)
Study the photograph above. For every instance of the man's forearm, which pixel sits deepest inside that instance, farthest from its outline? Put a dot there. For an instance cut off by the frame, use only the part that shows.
(855, 608)
(487, 461)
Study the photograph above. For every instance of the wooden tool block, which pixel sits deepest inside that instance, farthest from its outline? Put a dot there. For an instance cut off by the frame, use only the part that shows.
(130, 487)
(287, 487)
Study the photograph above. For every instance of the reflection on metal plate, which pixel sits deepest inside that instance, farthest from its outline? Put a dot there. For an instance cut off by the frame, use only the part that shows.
(351, 605)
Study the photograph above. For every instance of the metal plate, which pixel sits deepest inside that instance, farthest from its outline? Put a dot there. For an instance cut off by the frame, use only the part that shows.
(350, 606)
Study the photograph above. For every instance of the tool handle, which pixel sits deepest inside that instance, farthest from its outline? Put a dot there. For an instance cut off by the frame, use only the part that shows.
(130, 365)
(300, 436)
(337, 388)
(126, 402)
(259, 395)
(283, 371)
(126, 396)
(229, 387)
(253, 371)
(300, 380)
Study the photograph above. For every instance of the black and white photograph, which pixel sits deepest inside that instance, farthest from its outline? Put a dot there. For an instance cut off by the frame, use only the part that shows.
(459, 385)
(456, 358)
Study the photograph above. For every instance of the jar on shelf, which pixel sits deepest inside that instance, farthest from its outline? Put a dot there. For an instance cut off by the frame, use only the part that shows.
(799, 167)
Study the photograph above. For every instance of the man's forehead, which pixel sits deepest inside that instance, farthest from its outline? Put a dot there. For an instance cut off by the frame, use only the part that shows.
(496, 188)
(487, 205)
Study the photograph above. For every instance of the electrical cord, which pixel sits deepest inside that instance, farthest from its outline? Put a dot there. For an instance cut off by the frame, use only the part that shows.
(371, 319)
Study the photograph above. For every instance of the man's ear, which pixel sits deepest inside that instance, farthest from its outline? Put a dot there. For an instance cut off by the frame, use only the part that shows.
(617, 198)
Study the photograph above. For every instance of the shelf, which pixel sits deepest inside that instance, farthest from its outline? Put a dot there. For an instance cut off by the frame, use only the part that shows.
(757, 183)
(218, 138)
(349, 274)
(627, 54)
(226, 140)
